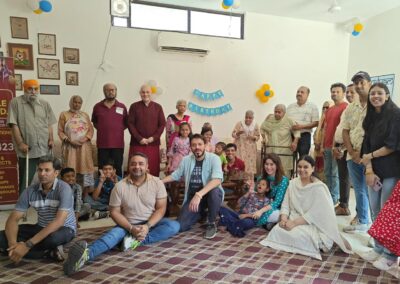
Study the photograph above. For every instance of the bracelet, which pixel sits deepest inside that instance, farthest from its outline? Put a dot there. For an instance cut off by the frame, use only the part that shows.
(198, 195)
(372, 154)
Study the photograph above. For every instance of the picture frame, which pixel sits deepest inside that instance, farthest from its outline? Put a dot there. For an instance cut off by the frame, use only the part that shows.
(18, 82)
(46, 44)
(22, 54)
(72, 78)
(19, 27)
(71, 55)
(49, 89)
(48, 68)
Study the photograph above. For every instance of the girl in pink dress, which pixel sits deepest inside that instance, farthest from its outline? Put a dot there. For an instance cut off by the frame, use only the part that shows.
(174, 120)
(180, 147)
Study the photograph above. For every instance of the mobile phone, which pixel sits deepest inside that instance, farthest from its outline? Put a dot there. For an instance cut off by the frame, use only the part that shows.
(377, 185)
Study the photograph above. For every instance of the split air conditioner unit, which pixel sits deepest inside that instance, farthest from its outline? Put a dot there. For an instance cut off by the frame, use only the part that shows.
(183, 43)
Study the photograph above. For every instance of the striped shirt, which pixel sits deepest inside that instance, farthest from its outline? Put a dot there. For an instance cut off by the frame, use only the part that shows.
(60, 197)
(304, 114)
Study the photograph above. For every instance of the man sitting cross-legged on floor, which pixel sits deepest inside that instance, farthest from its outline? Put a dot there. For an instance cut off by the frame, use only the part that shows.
(56, 225)
(137, 204)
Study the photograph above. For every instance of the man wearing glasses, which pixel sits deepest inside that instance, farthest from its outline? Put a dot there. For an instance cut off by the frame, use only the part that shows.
(30, 120)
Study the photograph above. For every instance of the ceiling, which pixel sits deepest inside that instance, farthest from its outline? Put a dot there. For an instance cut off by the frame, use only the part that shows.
(314, 10)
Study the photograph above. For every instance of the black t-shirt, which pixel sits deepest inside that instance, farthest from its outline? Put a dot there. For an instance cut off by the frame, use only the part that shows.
(196, 182)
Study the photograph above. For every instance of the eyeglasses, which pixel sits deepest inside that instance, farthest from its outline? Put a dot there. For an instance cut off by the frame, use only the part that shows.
(325, 107)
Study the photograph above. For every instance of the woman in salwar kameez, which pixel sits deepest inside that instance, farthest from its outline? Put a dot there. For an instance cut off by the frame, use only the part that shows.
(307, 218)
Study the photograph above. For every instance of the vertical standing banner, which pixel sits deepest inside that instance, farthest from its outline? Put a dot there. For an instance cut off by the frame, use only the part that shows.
(8, 157)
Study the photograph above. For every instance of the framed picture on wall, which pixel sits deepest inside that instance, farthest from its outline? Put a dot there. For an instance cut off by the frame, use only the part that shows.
(72, 78)
(71, 55)
(48, 68)
(49, 89)
(19, 27)
(22, 54)
(47, 44)
(18, 82)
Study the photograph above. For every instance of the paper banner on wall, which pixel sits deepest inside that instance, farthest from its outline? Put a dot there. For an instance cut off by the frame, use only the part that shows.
(388, 80)
(209, 111)
(208, 96)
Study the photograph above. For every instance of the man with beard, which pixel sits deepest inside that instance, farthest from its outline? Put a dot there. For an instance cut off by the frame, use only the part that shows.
(31, 121)
(110, 118)
(138, 204)
(305, 114)
(203, 176)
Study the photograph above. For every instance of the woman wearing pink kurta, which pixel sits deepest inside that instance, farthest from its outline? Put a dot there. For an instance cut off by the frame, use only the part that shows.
(246, 134)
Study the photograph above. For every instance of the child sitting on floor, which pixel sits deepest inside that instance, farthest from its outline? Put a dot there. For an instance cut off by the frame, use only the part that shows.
(82, 210)
(251, 206)
(220, 152)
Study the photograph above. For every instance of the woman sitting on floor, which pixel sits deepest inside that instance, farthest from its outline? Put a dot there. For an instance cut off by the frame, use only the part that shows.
(307, 221)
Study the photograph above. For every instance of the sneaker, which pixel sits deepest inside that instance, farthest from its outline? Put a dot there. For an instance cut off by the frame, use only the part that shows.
(340, 211)
(100, 215)
(78, 255)
(58, 254)
(358, 227)
(129, 242)
(354, 221)
(211, 231)
(370, 255)
(385, 264)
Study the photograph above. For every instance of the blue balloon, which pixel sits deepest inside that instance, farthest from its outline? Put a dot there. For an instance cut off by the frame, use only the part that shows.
(354, 33)
(45, 6)
(228, 3)
(267, 93)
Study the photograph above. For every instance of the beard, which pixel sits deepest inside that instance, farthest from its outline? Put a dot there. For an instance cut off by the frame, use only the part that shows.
(199, 154)
(31, 98)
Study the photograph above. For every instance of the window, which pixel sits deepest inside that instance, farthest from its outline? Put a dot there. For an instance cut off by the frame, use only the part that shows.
(155, 16)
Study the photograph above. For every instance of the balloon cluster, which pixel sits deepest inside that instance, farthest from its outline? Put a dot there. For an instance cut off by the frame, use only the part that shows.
(154, 88)
(226, 4)
(41, 6)
(265, 93)
(357, 29)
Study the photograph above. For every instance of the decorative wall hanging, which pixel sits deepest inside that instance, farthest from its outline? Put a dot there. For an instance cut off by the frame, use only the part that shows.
(388, 80)
(19, 27)
(71, 78)
(208, 96)
(18, 82)
(209, 111)
(22, 54)
(265, 93)
(71, 55)
(154, 88)
(40, 6)
(358, 27)
(47, 44)
(49, 89)
(48, 68)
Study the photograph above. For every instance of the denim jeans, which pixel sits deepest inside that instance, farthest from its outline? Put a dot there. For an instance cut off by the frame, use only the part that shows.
(212, 200)
(234, 224)
(357, 177)
(163, 230)
(331, 174)
(26, 231)
(100, 204)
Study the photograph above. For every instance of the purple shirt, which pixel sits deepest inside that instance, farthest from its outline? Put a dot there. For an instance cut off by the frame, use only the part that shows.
(145, 122)
(110, 124)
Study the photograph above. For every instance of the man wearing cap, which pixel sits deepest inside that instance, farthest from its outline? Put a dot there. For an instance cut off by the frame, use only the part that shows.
(353, 134)
(306, 115)
(31, 120)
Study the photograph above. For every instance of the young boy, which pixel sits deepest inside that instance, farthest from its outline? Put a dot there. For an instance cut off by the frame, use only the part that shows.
(220, 151)
(99, 197)
(81, 209)
(251, 206)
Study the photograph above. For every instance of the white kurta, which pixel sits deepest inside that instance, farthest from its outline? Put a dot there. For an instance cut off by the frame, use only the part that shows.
(313, 202)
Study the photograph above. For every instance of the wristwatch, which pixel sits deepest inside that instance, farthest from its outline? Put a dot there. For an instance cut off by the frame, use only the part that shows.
(29, 244)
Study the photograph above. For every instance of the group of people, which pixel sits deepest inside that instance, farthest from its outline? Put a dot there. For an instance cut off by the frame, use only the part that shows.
(359, 141)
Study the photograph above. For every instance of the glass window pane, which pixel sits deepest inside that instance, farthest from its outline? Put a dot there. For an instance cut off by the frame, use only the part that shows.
(120, 22)
(215, 24)
(158, 18)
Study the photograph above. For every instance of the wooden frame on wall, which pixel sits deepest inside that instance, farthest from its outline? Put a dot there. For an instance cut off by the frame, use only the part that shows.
(22, 54)
(71, 55)
(18, 82)
(19, 27)
(46, 44)
(48, 68)
(49, 89)
(71, 78)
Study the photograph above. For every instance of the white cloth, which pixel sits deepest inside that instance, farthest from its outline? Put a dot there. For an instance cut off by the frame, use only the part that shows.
(304, 114)
(248, 128)
(314, 203)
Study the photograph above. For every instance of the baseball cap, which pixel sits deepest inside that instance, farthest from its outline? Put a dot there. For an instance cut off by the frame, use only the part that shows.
(361, 75)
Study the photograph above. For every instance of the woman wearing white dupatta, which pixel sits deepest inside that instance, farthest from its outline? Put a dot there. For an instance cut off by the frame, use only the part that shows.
(307, 221)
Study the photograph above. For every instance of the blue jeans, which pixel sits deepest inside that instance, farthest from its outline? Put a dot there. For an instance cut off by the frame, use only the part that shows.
(234, 224)
(100, 204)
(331, 174)
(163, 230)
(357, 177)
(212, 200)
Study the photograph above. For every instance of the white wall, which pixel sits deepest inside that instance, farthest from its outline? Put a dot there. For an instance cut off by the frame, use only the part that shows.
(283, 52)
(377, 48)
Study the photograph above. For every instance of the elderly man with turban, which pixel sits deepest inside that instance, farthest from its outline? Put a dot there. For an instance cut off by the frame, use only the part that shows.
(30, 120)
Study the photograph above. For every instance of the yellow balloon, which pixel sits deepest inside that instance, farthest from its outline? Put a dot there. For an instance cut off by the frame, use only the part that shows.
(266, 87)
(271, 94)
(358, 27)
(38, 11)
(224, 6)
(153, 89)
(260, 93)
(264, 99)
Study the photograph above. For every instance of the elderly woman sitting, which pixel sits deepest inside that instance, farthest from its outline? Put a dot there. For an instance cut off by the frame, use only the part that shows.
(307, 221)
(277, 134)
